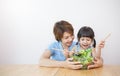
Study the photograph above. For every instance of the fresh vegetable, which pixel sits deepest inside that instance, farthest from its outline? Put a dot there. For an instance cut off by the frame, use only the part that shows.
(84, 57)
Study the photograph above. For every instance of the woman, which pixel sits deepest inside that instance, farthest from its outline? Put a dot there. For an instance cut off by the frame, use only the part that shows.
(57, 54)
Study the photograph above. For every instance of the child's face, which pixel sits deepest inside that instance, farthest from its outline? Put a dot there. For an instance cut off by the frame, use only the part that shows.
(85, 42)
(67, 39)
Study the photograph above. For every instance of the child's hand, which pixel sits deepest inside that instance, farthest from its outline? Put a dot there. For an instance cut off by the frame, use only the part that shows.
(101, 44)
(97, 63)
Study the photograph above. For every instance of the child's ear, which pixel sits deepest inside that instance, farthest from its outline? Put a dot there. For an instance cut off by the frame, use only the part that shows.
(92, 43)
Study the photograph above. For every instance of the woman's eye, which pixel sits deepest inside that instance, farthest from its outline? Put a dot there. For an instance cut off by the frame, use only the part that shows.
(66, 38)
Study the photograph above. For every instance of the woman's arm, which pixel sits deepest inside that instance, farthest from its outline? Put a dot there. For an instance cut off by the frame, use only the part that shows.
(47, 62)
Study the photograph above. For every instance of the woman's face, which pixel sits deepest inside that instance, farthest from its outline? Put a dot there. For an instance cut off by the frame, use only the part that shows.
(85, 42)
(67, 39)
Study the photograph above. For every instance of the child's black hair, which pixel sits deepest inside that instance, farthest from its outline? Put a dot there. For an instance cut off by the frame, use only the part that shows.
(86, 31)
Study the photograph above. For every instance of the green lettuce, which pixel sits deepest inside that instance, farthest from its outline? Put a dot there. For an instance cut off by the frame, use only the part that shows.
(84, 57)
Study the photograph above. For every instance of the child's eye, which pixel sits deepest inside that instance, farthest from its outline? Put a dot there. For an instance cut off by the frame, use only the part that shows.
(88, 40)
(82, 39)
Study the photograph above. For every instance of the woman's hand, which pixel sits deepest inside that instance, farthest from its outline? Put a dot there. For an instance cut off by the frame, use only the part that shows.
(97, 63)
(72, 51)
(72, 65)
(66, 53)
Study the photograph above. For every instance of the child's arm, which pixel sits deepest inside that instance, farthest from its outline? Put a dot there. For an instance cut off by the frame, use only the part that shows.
(94, 52)
(98, 48)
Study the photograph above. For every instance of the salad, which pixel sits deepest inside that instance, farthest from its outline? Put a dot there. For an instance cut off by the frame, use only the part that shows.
(84, 57)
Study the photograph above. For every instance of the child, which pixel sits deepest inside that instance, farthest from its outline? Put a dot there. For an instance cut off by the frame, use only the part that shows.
(87, 41)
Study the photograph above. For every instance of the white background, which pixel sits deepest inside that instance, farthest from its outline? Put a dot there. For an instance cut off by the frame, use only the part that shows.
(26, 26)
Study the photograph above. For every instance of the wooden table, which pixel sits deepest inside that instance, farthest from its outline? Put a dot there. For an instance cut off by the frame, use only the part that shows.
(35, 70)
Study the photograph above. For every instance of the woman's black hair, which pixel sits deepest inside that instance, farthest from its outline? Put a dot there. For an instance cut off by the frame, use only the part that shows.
(86, 31)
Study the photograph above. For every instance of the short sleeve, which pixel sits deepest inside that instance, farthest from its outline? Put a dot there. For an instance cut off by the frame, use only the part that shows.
(52, 46)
